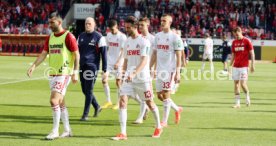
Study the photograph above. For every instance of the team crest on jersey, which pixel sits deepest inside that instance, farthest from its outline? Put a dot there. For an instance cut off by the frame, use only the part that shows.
(92, 42)
(81, 40)
(167, 40)
(137, 46)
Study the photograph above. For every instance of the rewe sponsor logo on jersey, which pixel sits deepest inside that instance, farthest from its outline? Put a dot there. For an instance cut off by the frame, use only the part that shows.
(133, 52)
(163, 47)
(55, 48)
(113, 44)
(239, 48)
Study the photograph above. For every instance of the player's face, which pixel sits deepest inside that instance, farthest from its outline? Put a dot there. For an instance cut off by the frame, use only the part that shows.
(237, 34)
(129, 29)
(165, 22)
(54, 24)
(114, 29)
(89, 25)
(143, 26)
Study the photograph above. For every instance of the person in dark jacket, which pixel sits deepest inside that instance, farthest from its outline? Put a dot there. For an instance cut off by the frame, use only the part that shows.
(93, 48)
(226, 53)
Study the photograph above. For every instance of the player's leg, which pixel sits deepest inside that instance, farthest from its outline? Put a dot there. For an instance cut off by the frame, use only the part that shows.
(204, 57)
(65, 120)
(144, 91)
(96, 106)
(84, 86)
(211, 62)
(55, 99)
(118, 85)
(143, 108)
(106, 91)
(237, 93)
(126, 89)
(244, 77)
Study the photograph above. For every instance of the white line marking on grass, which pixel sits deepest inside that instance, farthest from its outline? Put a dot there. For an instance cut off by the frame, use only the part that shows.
(25, 80)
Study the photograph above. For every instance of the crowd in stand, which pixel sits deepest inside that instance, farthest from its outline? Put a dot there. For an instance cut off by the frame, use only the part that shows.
(195, 18)
(27, 16)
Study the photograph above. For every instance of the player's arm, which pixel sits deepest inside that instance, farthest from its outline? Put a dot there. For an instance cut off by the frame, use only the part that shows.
(153, 59)
(40, 58)
(178, 54)
(120, 59)
(37, 62)
(252, 67)
(103, 51)
(76, 58)
(183, 59)
(232, 59)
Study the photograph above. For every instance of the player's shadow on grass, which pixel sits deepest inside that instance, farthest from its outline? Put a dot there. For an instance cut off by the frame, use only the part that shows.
(26, 119)
(24, 105)
(237, 129)
(18, 135)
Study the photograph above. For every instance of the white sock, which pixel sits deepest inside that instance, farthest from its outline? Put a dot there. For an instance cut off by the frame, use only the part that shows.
(247, 96)
(155, 112)
(56, 117)
(173, 105)
(65, 118)
(212, 67)
(203, 66)
(123, 120)
(167, 108)
(143, 107)
(137, 98)
(238, 98)
(107, 93)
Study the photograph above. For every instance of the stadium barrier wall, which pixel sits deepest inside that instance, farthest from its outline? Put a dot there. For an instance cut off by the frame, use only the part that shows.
(32, 45)
(22, 45)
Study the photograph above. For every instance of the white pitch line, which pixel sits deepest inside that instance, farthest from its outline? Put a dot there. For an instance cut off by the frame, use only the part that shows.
(5, 83)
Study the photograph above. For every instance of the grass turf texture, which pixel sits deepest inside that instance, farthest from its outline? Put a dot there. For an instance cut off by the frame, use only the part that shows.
(208, 119)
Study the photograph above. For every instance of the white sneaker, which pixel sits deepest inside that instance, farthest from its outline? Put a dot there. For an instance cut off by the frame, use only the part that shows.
(66, 134)
(247, 102)
(236, 106)
(138, 121)
(52, 136)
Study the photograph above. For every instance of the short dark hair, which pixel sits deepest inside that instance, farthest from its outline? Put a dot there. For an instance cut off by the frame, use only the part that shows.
(144, 19)
(112, 23)
(55, 14)
(237, 29)
(132, 20)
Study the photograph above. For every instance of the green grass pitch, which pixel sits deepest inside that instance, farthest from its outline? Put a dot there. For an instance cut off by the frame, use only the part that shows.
(208, 119)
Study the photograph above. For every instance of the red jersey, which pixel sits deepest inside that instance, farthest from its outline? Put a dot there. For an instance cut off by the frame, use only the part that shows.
(241, 49)
(70, 42)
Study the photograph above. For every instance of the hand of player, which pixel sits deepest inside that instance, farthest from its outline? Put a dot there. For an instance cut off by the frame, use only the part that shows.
(74, 78)
(252, 68)
(116, 66)
(30, 70)
(130, 77)
(177, 77)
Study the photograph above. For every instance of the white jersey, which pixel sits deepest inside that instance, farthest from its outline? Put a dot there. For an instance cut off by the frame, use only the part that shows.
(209, 46)
(115, 43)
(133, 51)
(150, 37)
(166, 45)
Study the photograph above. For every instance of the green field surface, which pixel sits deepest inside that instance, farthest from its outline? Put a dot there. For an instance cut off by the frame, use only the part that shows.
(207, 119)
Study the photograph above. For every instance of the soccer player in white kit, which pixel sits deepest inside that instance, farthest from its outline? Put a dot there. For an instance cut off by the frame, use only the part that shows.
(208, 52)
(168, 58)
(137, 77)
(115, 40)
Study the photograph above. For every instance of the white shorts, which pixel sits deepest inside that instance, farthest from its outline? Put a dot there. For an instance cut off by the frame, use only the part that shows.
(143, 90)
(59, 83)
(207, 56)
(116, 73)
(240, 73)
(164, 81)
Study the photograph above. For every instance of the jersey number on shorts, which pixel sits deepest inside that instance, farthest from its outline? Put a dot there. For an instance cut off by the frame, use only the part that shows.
(58, 85)
(166, 85)
(148, 94)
